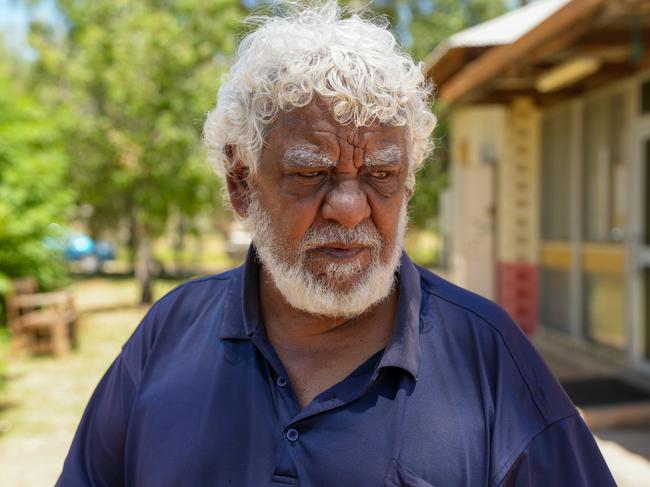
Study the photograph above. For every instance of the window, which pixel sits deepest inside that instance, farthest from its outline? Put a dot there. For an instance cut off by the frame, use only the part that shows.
(556, 162)
(555, 300)
(604, 169)
(582, 261)
(604, 219)
(604, 310)
(556, 154)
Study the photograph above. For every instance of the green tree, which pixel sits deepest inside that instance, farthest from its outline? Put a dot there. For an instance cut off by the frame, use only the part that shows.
(422, 24)
(136, 79)
(34, 196)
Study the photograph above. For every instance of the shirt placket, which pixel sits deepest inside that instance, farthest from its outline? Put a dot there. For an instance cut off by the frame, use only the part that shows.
(285, 405)
(291, 419)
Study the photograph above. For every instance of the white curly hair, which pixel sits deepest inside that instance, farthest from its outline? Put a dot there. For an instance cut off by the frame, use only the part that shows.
(350, 62)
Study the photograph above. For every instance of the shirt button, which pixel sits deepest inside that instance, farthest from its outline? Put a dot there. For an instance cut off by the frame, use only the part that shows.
(281, 381)
(292, 434)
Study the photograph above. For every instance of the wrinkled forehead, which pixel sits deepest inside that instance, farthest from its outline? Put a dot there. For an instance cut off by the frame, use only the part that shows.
(312, 136)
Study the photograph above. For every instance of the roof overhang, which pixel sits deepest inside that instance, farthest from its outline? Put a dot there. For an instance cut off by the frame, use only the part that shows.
(568, 46)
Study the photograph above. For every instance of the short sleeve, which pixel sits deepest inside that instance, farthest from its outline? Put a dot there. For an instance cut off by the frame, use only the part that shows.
(96, 457)
(97, 454)
(564, 454)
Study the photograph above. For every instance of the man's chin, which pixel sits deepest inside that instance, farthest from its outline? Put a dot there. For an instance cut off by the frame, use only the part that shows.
(341, 281)
(339, 286)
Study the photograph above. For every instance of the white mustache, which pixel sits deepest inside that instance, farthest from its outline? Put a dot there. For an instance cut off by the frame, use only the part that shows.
(332, 234)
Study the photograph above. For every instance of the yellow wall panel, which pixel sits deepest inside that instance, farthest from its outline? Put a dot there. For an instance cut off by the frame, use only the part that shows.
(607, 258)
(556, 255)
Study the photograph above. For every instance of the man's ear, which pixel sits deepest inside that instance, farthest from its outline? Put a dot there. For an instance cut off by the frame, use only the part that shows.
(409, 186)
(237, 183)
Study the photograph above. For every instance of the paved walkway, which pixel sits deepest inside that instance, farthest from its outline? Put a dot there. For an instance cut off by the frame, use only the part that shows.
(629, 469)
(626, 449)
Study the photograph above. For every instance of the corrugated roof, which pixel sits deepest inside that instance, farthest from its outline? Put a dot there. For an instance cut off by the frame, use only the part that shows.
(505, 29)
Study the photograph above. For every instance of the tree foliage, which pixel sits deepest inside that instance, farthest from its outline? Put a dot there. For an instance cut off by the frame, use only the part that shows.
(34, 195)
(422, 24)
(136, 79)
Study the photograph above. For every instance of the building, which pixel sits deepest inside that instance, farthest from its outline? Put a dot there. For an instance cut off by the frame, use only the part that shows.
(549, 113)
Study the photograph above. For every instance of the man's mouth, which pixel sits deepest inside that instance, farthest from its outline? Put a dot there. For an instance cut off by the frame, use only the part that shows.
(340, 251)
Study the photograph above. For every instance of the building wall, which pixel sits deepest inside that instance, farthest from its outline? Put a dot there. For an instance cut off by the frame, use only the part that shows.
(494, 229)
(518, 214)
(477, 135)
(550, 214)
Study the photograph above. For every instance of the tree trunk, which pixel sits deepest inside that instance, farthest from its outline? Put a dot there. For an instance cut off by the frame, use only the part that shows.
(198, 251)
(144, 267)
(179, 244)
(132, 243)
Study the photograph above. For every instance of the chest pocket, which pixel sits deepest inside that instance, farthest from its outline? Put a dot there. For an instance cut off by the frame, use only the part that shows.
(400, 476)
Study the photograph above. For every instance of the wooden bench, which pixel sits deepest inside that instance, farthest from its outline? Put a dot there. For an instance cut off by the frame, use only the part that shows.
(42, 322)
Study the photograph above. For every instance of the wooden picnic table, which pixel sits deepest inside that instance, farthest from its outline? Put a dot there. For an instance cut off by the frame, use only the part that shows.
(42, 322)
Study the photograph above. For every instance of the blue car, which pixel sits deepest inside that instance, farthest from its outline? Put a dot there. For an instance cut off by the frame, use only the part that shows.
(79, 247)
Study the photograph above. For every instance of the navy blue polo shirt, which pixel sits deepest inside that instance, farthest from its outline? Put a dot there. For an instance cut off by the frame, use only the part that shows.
(198, 397)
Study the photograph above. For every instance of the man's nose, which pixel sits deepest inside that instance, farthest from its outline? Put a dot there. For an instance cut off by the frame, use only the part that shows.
(346, 204)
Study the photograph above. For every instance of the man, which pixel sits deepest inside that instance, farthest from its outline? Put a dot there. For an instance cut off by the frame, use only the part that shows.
(328, 359)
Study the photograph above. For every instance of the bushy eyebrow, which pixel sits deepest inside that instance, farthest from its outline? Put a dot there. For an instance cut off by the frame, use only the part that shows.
(388, 156)
(301, 157)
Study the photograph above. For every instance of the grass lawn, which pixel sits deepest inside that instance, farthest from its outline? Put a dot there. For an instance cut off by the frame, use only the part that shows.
(44, 397)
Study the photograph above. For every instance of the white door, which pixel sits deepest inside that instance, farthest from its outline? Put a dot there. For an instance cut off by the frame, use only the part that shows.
(473, 256)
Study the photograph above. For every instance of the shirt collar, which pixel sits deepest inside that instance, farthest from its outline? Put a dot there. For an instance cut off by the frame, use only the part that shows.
(403, 349)
(242, 319)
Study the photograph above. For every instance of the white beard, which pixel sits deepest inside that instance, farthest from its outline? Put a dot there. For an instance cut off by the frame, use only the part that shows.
(318, 295)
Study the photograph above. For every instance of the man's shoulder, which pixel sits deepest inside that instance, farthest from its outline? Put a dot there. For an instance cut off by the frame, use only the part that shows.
(476, 310)
(475, 307)
(190, 313)
(194, 301)
(484, 323)
(212, 281)
(197, 292)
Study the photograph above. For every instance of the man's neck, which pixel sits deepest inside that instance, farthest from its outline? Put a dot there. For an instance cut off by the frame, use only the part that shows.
(318, 352)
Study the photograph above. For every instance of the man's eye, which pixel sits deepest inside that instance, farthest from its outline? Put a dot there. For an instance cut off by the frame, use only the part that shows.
(312, 174)
(380, 174)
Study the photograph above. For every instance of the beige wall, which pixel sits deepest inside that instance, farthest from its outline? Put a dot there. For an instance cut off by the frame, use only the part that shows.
(477, 135)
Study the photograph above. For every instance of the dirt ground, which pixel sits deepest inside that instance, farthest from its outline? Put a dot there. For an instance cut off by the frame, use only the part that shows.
(45, 397)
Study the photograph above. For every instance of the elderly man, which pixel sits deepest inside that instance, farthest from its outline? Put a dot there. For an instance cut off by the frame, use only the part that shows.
(329, 358)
